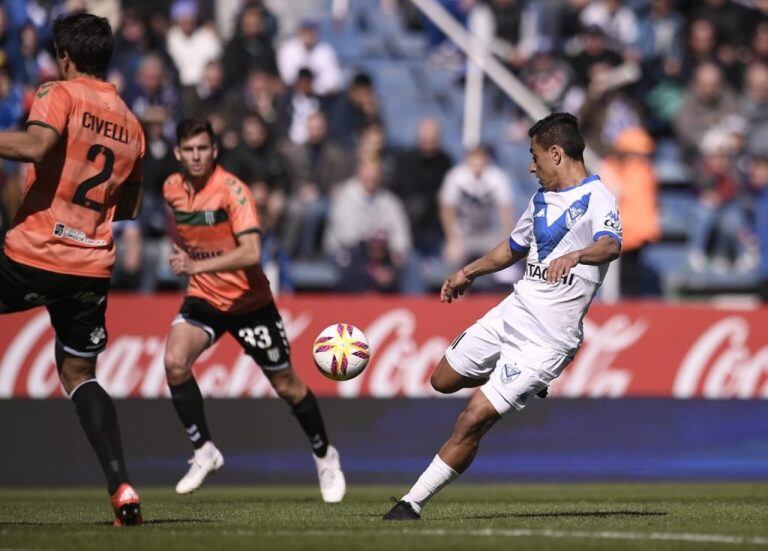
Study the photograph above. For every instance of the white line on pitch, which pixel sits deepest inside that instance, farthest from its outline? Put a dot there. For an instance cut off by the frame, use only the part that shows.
(523, 533)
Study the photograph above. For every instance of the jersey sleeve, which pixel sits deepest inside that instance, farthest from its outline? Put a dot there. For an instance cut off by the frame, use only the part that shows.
(605, 218)
(51, 107)
(241, 209)
(137, 173)
(522, 235)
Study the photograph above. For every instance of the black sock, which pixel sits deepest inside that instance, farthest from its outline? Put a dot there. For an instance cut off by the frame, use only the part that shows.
(307, 412)
(189, 405)
(99, 420)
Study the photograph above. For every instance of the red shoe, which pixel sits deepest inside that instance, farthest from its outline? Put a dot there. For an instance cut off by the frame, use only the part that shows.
(125, 503)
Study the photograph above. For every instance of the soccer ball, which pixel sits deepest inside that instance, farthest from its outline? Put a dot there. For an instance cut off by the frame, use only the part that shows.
(341, 352)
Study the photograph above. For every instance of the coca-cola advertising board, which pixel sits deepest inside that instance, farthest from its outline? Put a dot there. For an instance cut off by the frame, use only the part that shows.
(642, 349)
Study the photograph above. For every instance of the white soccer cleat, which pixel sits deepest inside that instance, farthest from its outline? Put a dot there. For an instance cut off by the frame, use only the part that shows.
(332, 483)
(206, 460)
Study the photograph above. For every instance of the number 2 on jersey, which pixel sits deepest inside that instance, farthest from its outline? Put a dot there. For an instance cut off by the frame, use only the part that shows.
(90, 183)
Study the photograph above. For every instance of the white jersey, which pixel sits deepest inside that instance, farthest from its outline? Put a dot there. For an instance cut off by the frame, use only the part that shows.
(554, 224)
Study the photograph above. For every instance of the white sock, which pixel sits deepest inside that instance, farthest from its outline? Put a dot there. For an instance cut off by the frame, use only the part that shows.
(431, 481)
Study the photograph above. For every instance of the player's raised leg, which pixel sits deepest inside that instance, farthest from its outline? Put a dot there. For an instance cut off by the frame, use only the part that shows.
(184, 345)
(454, 457)
(446, 380)
(99, 421)
(290, 388)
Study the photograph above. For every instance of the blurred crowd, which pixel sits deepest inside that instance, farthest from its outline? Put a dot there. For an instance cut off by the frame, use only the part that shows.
(681, 80)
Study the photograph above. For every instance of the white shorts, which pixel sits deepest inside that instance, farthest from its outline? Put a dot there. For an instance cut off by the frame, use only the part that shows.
(515, 367)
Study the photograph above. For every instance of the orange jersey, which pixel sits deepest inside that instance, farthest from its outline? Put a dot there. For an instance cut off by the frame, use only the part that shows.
(64, 224)
(209, 222)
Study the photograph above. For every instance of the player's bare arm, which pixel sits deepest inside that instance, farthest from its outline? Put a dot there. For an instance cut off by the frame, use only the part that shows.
(30, 145)
(247, 253)
(498, 258)
(605, 249)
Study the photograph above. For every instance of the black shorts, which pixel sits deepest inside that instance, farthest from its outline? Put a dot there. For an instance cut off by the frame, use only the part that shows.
(76, 304)
(260, 333)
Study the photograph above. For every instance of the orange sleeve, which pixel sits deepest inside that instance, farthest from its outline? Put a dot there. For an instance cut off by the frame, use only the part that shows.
(51, 107)
(241, 208)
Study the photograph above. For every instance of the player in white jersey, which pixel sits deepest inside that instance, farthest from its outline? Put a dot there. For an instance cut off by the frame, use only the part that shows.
(569, 233)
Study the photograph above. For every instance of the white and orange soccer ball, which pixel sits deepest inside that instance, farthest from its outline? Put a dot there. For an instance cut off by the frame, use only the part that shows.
(341, 352)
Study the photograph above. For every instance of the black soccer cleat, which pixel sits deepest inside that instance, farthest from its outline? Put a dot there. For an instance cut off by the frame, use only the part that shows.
(402, 510)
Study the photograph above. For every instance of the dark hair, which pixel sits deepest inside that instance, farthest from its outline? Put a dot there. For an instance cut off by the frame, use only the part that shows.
(86, 39)
(305, 72)
(189, 128)
(362, 80)
(560, 129)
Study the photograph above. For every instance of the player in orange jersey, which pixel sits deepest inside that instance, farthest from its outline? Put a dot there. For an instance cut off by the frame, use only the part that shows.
(86, 150)
(218, 226)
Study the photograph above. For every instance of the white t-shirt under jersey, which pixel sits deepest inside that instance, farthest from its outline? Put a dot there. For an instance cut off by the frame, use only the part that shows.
(554, 224)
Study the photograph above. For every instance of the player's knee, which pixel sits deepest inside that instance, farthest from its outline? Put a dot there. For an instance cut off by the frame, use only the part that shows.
(288, 387)
(177, 369)
(442, 386)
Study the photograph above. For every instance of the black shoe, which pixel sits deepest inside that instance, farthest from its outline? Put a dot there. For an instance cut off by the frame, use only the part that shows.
(402, 510)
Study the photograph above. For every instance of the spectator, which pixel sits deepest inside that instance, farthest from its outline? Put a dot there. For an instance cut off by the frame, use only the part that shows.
(255, 159)
(356, 110)
(190, 45)
(11, 101)
(549, 77)
(729, 18)
(250, 49)
(132, 43)
(373, 145)
(757, 180)
(153, 88)
(754, 103)
(476, 207)
(296, 106)
(661, 48)
(210, 95)
(719, 232)
(316, 168)
(595, 50)
(515, 22)
(708, 103)
(617, 22)
(34, 65)
(259, 97)
(628, 172)
(607, 110)
(306, 51)
(419, 173)
(361, 211)
(9, 41)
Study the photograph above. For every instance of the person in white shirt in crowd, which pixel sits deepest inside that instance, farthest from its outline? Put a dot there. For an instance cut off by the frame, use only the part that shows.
(362, 209)
(191, 45)
(476, 206)
(305, 50)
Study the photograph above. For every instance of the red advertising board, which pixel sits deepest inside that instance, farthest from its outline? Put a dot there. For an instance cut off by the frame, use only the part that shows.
(640, 349)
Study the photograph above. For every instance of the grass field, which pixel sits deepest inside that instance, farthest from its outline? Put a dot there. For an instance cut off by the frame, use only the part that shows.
(555, 516)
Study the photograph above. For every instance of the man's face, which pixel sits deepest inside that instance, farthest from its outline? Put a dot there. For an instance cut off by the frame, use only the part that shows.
(196, 155)
(542, 164)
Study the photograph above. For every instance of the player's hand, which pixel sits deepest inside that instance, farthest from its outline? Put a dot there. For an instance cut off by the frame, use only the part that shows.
(454, 286)
(561, 267)
(180, 262)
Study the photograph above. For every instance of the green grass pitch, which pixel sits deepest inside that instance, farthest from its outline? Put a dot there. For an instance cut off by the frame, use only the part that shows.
(553, 516)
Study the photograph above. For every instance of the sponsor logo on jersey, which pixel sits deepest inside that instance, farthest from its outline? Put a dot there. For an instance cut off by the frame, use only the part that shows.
(612, 221)
(538, 272)
(64, 232)
(509, 373)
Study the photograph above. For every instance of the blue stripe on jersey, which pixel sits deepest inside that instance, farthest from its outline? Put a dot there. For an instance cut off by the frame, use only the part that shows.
(549, 236)
(517, 247)
(610, 234)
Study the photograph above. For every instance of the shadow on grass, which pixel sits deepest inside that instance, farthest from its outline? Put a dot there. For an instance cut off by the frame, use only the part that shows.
(572, 514)
(150, 522)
